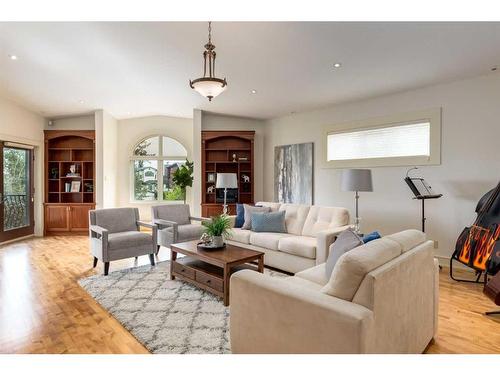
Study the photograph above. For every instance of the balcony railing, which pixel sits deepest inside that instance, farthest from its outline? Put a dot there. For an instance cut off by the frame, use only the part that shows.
(16, 214)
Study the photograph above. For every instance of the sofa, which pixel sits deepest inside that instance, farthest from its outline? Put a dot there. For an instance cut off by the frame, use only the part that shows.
(310, 232)
(382, 297)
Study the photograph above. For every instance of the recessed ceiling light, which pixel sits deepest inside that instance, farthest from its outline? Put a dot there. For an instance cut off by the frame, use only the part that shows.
(81, 102)
(254, 91)
(13, 57)
(337, 65)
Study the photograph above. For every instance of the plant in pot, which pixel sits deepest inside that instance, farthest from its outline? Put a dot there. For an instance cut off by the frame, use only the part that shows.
(218, 228)
(183, 177)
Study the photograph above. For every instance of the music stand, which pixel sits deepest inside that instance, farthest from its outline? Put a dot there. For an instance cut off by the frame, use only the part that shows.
(422, 191)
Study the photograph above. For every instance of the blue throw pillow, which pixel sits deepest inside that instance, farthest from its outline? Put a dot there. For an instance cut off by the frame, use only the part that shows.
(371, 236)
(240, 216)
(269, 222)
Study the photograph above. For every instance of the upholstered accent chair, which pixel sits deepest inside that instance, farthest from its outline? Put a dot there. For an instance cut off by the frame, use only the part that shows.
(115, 234)
(174, 224)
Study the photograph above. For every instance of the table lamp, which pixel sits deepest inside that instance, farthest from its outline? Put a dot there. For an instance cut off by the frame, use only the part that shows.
(356, 180)
(226, 181)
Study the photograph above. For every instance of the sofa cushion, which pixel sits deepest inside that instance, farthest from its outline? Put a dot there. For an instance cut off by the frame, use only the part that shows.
(298, 245)
(352, 267)
(267, 240)
(272, 205)
(346, 241)
(240, 235)
(314, 274)
(121, 240)
(186, 232)
(295, 216)
(239, 220)
(249, 210)
(303, 283)
(269, 222)
(408, 239)
(323, 218)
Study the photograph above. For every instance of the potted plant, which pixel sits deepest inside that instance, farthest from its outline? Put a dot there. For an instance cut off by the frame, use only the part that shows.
(183, 177)
(218, 228)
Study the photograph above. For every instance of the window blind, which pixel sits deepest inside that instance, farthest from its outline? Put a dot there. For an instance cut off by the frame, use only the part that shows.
(394, 141)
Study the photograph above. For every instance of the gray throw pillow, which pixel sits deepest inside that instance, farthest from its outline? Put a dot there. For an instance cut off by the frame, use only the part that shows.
(269, 222)
(249, 210)
(346, 241)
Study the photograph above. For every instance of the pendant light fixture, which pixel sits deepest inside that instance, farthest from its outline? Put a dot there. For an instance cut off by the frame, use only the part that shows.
(209, 86)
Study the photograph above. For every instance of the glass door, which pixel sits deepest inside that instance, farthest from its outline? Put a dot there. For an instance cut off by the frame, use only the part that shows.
(16, 191)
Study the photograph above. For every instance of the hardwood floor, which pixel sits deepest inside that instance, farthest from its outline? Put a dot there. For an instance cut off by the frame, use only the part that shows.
(44, 310)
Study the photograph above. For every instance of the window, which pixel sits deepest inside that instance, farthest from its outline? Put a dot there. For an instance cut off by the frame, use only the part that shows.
(154, 161)
(370, 144)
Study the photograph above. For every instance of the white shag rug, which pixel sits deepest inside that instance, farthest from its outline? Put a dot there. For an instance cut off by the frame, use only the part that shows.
(166, 316)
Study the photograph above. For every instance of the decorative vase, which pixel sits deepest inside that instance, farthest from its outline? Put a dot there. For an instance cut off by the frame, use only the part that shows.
(218, 241)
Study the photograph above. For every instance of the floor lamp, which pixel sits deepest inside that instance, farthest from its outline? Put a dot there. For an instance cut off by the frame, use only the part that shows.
(226, 181)
(356, 180)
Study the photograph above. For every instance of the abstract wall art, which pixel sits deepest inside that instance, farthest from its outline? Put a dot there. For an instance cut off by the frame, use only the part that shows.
(293, 173)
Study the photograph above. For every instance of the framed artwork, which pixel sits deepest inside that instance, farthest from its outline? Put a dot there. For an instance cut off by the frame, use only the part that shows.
(293, 173)
(211, 177)
(75, 186)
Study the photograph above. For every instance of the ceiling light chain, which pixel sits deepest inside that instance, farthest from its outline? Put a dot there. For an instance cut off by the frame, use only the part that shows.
(209, 86)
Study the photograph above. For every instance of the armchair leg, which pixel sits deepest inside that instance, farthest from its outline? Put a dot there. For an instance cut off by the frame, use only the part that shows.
(95, 262)
(106, 268)
(157, 249)
(152, 259)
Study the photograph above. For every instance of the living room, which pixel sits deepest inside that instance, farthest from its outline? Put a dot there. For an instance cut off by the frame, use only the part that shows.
(159, 202)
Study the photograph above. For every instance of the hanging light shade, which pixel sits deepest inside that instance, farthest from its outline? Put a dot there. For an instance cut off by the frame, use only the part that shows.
(209, 86)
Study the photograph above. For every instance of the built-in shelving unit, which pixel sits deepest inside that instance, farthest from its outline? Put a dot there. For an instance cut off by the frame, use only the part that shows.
(66, 209)
(227, 152)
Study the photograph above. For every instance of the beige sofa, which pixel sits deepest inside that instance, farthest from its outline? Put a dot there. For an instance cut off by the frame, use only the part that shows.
(382, 298)
(310, 232)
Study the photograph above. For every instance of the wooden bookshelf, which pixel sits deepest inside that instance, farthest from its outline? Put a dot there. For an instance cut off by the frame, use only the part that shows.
(67, 210)
(226, 152)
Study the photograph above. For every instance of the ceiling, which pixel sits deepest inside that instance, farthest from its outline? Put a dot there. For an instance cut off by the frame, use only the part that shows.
(133, 69)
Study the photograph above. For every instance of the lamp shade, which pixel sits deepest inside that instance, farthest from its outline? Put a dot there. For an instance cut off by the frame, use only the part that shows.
(226, 180)
(356, 180)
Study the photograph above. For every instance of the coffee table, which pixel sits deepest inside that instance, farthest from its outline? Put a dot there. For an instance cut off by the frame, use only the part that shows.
(210, 270)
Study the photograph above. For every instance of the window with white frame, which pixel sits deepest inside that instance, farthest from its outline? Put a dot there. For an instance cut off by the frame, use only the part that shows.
(375, 143)
(154, 161)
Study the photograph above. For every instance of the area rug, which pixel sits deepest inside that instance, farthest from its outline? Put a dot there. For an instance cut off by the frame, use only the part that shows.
(166, 316)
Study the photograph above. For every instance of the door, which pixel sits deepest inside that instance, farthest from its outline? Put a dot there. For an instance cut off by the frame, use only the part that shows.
(56, 218)
(16, 191)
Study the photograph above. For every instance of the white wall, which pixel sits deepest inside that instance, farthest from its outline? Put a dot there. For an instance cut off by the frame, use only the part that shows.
(470, 158)
(212, 121)
(109, 161)
(18, 124)
(130, 132)
(83, 122)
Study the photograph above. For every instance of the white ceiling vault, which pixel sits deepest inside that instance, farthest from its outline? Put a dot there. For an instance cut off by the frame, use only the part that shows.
(142, 68)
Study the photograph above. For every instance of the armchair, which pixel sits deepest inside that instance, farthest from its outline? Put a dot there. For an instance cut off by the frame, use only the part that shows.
(174, 224)
(115, 234)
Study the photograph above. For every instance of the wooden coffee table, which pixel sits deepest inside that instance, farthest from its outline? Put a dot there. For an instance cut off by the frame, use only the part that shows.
(210, 270)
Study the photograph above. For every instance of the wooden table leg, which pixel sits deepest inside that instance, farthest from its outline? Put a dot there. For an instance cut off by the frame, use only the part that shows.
(227, 276)
(173, 257)
(260, 266)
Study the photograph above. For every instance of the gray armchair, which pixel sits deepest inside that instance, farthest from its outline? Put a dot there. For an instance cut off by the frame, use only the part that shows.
(115, 234)
(174, 224)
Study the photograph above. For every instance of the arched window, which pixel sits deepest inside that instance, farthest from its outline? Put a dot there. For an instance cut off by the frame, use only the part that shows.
(154, 161)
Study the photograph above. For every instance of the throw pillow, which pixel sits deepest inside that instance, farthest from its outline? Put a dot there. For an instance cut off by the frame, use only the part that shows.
(248, 214)
(240, 216)
(346, 241)
(269, 222)
(371, 236)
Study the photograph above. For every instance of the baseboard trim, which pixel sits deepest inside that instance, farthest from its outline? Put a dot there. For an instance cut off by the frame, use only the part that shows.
(17, 239)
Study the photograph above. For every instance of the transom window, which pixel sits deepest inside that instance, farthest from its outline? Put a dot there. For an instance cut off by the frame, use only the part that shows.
(408, 139)
(154, 161)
